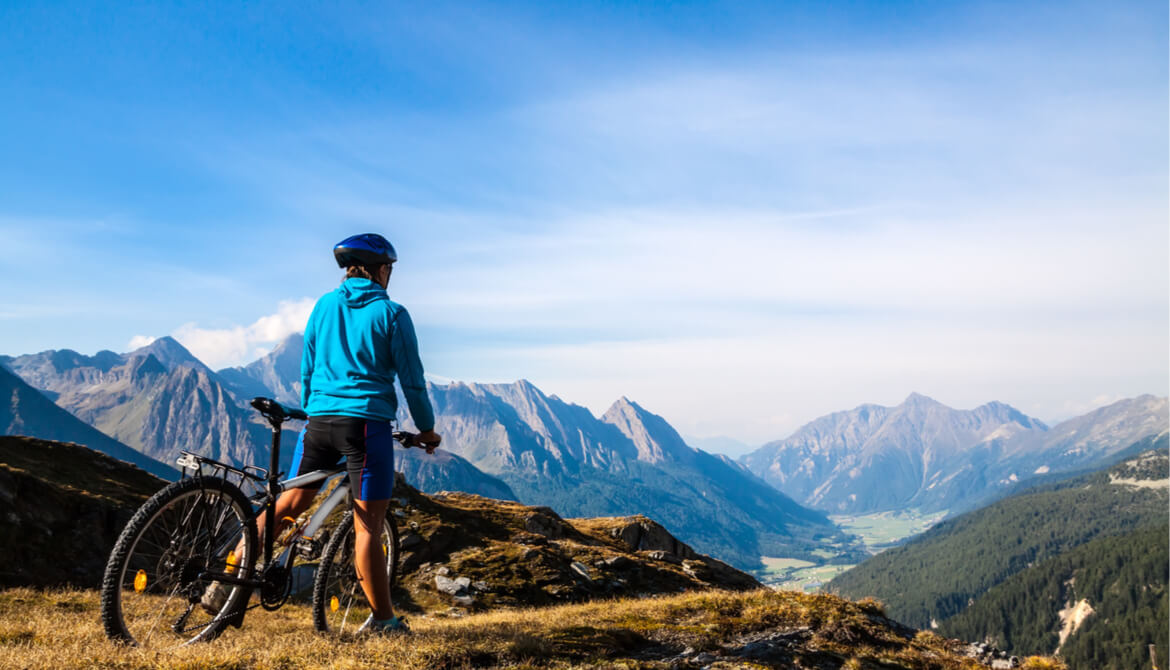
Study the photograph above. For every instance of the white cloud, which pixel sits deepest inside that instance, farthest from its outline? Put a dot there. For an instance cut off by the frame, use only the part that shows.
(237, 345)
(139, 341)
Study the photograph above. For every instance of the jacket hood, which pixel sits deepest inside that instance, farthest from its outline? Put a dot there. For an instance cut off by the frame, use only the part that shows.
(359, 292)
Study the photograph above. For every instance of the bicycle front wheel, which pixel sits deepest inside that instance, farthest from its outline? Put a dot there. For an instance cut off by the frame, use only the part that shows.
(156, 591)
(339, 604)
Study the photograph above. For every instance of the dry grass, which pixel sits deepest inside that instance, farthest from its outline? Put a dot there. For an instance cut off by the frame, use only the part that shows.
(60, 629)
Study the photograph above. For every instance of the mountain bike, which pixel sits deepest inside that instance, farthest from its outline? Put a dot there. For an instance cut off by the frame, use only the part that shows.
(199, 533)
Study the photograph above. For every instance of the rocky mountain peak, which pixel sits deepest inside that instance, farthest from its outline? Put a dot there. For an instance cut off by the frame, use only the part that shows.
(656, 440)
(142, 365)
(171, 354)
(916, 399)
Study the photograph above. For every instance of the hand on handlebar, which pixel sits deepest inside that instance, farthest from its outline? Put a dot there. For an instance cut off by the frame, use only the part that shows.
(429, 440)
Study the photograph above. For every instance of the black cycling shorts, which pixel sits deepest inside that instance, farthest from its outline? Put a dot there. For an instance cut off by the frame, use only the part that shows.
(366, 445)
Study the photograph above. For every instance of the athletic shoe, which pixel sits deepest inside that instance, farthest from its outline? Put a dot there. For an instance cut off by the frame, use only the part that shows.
(215, 597)
(216, 594)
(393, 626)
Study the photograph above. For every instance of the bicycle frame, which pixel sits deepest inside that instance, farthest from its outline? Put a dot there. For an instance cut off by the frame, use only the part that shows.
(276, 415)
(267, 505)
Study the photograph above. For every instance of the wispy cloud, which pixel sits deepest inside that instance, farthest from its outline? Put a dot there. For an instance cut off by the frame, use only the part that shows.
(236, 345)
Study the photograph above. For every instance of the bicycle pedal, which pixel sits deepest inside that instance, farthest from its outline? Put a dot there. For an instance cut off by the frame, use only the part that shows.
(309, 549)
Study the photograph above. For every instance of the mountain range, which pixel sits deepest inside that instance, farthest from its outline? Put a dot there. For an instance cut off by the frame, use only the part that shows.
(514, 441)
(627, 461)
(500, 440)
(922, 454)
(158, 399)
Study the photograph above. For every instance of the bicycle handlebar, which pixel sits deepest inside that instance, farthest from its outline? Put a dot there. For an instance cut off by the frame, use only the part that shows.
(411, 440)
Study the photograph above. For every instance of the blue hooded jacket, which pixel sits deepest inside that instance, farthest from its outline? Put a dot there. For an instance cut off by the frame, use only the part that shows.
(356, 340)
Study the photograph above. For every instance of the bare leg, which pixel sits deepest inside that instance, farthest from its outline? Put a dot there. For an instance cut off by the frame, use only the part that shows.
(291, 503)
(368, 556)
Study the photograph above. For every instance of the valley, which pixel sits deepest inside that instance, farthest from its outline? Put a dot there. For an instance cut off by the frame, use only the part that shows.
(878, 531)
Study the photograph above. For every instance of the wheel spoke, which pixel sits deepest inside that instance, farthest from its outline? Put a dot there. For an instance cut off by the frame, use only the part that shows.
(153, 582)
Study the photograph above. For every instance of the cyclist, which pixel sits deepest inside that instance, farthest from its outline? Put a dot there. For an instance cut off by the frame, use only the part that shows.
(356, 341)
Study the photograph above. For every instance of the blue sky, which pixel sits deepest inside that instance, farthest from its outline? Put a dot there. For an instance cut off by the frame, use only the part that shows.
(741, 215)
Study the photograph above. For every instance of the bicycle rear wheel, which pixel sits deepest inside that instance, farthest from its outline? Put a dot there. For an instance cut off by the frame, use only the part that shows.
(339, 604)
(154, 579)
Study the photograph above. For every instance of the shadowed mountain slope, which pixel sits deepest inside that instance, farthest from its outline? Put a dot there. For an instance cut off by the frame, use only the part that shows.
(446, 471)
(26, 411)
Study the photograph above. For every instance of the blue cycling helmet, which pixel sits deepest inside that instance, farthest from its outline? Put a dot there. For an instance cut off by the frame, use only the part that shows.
(367, 249)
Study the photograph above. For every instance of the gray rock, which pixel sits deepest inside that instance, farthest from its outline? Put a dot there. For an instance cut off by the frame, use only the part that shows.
(482, 587)
(447, 585)
(444, 570)
(580, 569)
(616, 563)
(665, 557)
(464, 600)
(465, 582)
(642, 534)
(544, 521)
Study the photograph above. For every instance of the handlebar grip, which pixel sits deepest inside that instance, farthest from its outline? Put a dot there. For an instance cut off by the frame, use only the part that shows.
(411, 440)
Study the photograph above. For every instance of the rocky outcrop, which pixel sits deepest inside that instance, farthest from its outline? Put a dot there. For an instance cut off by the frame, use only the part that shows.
(639, 533)
(470, 552)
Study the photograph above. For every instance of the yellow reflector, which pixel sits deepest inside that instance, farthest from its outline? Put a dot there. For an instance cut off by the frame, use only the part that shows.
(140, 581)
(334, 604)
(231, 563)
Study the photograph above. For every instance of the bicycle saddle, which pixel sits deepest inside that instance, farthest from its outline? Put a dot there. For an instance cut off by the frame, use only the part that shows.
(275, 411)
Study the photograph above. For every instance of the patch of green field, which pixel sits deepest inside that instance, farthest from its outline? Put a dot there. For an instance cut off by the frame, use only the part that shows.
(878, 532)
(882, 530)
(809, 579)
(783, 566)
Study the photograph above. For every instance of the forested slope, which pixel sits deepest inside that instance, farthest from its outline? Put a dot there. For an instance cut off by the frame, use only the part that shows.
(1121, 585)
(936, 575)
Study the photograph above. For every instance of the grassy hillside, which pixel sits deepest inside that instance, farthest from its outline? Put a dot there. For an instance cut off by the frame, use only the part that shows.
(936, 575)
(1123, 582)
(757, 629)
(62, 507)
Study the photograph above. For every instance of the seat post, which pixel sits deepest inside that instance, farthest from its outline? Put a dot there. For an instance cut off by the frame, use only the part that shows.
(273, 489)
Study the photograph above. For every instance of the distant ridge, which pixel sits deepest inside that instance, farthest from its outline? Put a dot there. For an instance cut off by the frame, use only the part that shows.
(157, 406)
(923, 454)
(277, 374)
